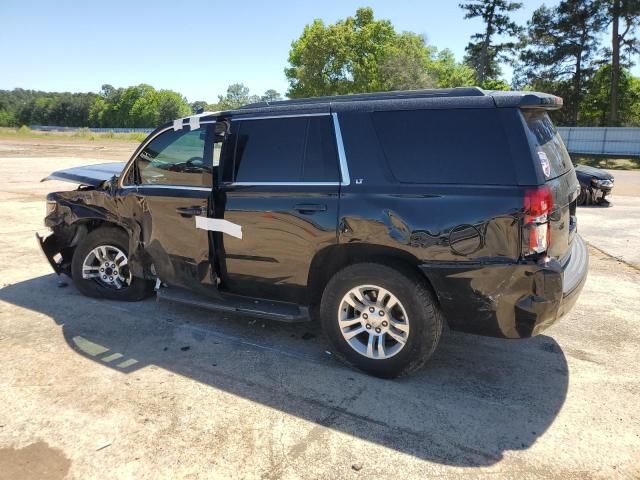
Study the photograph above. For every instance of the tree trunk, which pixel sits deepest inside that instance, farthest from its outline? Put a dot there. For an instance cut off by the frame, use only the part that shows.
(615, 63)
(484, 54)
(577, 87)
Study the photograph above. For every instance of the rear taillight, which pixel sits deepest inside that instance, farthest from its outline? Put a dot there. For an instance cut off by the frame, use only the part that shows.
(537, 230)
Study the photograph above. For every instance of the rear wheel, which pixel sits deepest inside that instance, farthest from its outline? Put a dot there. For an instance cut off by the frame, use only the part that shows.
(100, 267)
(380, 320)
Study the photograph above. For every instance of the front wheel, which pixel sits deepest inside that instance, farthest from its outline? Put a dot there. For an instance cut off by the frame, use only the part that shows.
(380, 320)
(100, 267)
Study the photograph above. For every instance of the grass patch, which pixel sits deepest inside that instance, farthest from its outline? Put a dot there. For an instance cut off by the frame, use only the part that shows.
(609, 163)
(82, 134)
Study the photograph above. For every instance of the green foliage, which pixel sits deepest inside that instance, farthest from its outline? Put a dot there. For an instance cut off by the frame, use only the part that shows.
(361, 54)
(271, 95)
(7, 119)
(594, 109)
(446, 72)
(237, 96)
(198, 105)
(483, 53)
(137, 106)
(562, 44)
(496, 85)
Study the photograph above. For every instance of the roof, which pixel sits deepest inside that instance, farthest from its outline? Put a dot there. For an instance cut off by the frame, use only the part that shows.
(462, 97)
(450, 96)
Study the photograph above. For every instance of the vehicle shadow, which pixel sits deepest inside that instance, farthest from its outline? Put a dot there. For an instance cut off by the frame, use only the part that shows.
(476, 399)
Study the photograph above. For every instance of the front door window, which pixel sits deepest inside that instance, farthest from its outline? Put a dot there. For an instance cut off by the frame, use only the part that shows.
(176, 158)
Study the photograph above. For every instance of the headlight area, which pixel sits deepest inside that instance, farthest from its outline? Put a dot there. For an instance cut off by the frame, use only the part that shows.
(601, 183)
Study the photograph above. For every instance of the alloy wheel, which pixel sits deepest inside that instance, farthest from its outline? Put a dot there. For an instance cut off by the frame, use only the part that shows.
(373, 322)
(108, 266)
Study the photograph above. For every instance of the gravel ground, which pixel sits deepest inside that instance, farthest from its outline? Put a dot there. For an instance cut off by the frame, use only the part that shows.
(104, 389)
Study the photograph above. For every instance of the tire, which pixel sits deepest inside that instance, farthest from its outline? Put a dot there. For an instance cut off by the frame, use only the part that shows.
(133, 289)
(416, 306)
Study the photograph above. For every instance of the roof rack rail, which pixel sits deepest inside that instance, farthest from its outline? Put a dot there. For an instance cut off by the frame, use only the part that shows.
(355, 97)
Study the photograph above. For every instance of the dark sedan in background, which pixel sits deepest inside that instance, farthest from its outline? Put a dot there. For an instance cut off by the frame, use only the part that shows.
(595, 185)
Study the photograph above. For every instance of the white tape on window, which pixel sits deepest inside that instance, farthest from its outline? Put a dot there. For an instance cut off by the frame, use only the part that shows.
(219, 225)
(177, 124)
(194, 122)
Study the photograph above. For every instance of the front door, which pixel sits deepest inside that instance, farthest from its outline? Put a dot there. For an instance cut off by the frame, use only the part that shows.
(280, 186)
(174, 177)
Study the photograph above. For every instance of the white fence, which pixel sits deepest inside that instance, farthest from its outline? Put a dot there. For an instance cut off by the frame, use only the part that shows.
(602, 141)
(53, 128)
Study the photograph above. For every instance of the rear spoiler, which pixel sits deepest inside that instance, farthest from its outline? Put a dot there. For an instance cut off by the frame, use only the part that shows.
(528, 100)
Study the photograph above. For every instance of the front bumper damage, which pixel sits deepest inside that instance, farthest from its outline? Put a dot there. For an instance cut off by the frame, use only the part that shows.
(51, 247)
(509, 300)
(58, 246)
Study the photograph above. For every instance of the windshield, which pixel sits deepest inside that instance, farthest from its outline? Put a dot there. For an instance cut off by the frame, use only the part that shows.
(552, 153)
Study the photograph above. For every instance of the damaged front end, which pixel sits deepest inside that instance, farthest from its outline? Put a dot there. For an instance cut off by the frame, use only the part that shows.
(71, 215)
(58, 247)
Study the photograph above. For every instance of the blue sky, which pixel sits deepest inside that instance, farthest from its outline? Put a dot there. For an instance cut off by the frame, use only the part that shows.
(196, 47)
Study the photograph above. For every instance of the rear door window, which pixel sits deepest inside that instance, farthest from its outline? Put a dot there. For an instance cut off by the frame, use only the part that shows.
(296, 149)
(548, 144)
(462, 146)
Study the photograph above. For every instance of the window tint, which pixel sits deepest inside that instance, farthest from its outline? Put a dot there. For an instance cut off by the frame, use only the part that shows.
(321, 158)
(546, 139)
(176, 158)
(465, 146)
(297, 149)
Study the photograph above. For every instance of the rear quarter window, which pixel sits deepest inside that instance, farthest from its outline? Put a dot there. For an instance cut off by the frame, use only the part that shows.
(546, 140)
(459, 146)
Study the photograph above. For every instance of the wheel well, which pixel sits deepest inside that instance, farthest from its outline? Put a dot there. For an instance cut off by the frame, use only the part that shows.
(330, 260)
(77, 231)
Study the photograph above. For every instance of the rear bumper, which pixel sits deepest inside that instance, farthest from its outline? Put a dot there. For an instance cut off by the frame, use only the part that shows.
(509, 300)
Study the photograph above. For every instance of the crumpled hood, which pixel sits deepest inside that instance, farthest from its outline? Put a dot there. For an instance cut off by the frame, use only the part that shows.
(594, 172)
(94, 175)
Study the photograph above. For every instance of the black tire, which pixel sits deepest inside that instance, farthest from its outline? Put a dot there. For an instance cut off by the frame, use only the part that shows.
(414, 294)
(138, 289)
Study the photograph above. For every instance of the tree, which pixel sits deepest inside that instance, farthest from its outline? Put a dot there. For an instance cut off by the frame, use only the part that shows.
(237, 96)
(403, 66)
(362, 54)
(171, 105)
(483, 54)
(199, 105)
(562, 44)
(448, 73)
(622, 41)
(271, 95)
(595, 107)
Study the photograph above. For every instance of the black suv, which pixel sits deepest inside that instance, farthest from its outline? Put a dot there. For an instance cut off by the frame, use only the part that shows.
(380, 214)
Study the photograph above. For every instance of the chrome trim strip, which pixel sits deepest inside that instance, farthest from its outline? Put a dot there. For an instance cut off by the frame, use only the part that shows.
(344, 168)
(324, 114)
(176, 187)
(283, 184)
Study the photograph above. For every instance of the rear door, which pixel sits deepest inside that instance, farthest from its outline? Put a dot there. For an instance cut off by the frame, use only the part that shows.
(280, 186)
(556, 169)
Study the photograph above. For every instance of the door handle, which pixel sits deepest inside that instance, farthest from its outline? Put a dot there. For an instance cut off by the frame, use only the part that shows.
(189, 211)
(310, 207)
